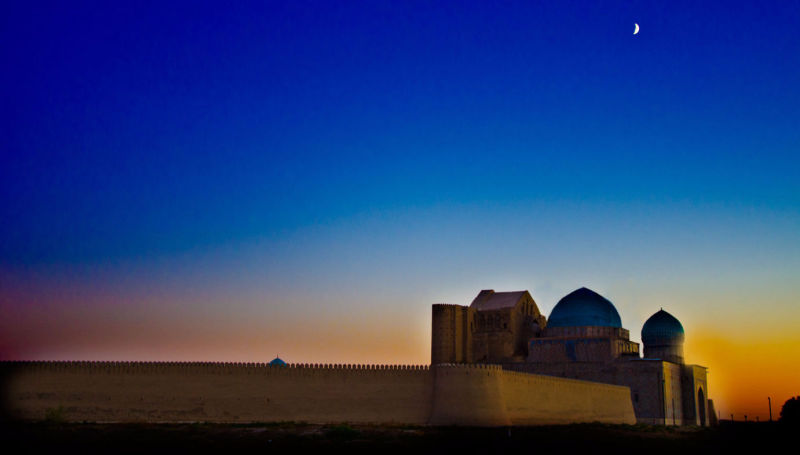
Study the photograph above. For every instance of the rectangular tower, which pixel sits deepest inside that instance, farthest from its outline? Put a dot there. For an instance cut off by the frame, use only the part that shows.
(450, 334)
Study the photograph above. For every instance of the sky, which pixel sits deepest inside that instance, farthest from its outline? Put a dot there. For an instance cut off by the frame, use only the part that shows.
(199, 181)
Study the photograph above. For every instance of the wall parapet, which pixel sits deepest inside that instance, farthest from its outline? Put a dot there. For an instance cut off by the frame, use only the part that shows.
(350, 366)
(78, 366)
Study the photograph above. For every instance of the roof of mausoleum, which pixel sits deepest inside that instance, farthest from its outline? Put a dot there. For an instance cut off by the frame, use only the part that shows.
(662, 328)
(584, 307)
(490, 300)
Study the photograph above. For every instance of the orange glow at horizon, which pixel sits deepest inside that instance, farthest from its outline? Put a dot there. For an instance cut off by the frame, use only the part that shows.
(363, 339)
(745, 371)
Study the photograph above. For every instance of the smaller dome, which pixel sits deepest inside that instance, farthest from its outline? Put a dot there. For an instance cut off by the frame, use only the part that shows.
(277, 362)
(662, 329)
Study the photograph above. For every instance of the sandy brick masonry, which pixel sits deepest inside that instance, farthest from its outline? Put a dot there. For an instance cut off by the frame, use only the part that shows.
(319, 393)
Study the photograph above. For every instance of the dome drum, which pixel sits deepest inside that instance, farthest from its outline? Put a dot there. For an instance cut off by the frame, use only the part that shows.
(587, 331)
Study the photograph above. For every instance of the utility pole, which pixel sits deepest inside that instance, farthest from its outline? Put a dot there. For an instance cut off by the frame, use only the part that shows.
(769, 400)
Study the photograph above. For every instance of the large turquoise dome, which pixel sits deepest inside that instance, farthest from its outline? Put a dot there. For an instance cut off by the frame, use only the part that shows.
(662, 329)
(584, 307)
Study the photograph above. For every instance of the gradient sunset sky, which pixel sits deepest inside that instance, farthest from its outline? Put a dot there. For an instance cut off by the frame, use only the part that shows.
(235, 181)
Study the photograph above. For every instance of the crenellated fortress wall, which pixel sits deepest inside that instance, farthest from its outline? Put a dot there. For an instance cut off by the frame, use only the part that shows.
(319, 393)
(218, 392)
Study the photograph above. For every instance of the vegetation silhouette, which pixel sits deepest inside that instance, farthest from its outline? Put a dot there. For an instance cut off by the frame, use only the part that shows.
(790, 412)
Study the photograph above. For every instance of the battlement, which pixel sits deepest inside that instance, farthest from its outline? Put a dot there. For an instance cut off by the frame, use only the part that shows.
(134, 367)
(447, 308)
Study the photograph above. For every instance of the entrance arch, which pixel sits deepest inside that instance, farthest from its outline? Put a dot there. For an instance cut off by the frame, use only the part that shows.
(701, 406)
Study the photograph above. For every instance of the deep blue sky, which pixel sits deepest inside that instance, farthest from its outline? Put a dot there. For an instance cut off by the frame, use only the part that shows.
(154, 128)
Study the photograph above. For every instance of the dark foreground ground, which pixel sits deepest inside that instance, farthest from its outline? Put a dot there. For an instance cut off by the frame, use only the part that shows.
(290, 437)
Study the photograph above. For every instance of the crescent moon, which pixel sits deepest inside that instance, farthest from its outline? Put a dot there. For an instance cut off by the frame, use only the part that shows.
(635, 28)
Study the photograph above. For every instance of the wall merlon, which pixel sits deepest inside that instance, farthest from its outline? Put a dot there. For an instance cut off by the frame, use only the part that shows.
(223, 366)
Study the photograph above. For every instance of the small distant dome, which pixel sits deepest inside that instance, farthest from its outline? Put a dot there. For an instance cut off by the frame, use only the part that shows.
(584, 307)
(278, 362)
(662, 329)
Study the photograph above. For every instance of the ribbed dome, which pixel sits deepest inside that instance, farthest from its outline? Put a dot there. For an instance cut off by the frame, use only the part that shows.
(584, 307)
(662, 329)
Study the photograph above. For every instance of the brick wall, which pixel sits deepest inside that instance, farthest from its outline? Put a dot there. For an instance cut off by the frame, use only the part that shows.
(483, 395)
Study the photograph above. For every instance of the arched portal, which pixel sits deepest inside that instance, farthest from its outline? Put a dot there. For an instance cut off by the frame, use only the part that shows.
(701, 407)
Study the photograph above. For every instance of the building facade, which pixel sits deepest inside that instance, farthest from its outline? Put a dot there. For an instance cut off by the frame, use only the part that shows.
(582, 339)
